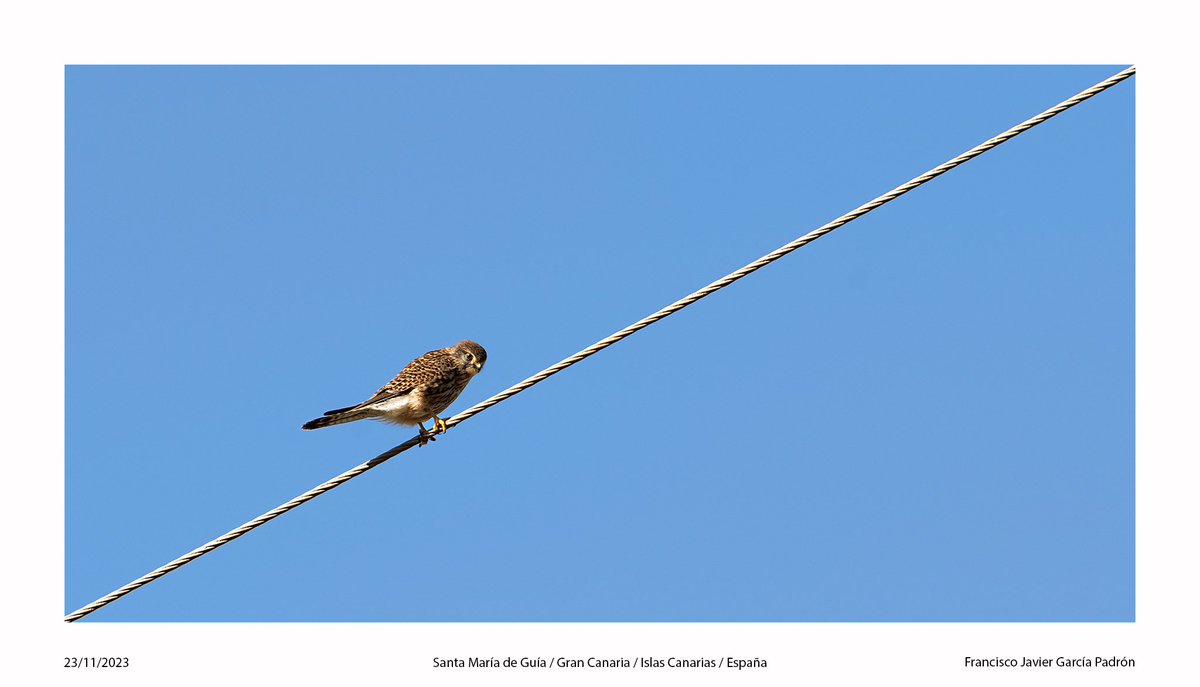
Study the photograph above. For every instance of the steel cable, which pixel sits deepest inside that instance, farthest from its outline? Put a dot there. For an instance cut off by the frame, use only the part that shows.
(610, 340)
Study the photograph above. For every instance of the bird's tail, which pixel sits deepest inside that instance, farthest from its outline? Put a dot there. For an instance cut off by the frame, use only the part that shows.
(338, 417)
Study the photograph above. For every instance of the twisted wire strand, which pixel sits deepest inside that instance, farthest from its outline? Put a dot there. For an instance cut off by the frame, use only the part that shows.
(784, 250)
(610, 340)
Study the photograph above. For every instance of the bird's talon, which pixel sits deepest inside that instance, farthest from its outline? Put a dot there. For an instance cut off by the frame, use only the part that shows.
(425, 436)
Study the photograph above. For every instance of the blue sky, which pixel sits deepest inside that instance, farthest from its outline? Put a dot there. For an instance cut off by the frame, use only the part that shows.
(925, 416)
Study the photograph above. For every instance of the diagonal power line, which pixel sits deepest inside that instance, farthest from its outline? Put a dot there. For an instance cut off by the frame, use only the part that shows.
(606, 342)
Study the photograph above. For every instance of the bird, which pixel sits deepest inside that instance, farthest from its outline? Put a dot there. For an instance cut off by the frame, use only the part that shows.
(424, 388)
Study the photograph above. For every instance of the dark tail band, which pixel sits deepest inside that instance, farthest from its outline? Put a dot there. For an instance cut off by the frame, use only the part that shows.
(337, 417)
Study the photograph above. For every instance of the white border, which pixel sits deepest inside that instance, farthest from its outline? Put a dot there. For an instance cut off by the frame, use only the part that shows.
(39, 38)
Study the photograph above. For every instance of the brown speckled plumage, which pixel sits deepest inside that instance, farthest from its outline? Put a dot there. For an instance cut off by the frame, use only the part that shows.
(424, 388)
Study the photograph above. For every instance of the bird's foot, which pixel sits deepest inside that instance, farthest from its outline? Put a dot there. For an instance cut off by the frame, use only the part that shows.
(426, 435)
(439, 427)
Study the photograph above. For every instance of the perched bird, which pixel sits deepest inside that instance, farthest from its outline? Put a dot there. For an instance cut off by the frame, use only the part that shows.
(424, 388)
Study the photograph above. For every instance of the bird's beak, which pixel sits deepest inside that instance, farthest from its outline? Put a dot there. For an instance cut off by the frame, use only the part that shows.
(478, 367)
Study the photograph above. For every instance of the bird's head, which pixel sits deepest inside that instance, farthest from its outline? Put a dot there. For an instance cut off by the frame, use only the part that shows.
(471, 355)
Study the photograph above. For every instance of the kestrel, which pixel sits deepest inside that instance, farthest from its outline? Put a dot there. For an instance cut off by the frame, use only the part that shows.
(424, 388)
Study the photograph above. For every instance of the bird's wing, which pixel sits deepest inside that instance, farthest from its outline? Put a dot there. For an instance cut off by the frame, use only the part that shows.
(391, 390)
(381, 395)
(420, 371)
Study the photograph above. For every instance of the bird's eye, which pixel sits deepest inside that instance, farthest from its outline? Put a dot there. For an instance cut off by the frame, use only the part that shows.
(468, 356)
